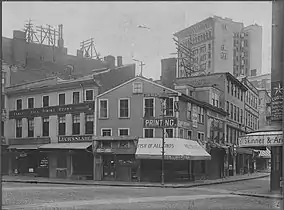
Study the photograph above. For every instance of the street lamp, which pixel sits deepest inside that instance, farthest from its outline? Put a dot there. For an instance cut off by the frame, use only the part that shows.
(163, 97)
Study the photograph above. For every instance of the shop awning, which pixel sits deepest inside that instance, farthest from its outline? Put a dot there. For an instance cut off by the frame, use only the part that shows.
(175, 149)
(24, 147)
(80, 145)
(264, 153)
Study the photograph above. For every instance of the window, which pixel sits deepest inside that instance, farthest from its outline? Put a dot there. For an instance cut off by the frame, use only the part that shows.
(137, 87)
(238, 92)
(232, 111)
(106, 132)
(209, 55)
(238, 114)
(62, 125)
(4, 78)
(89, 95)
(224, 55)
(169, 107)
(149, 107)
(31, 127)
(222, 47)
(242, 93)
(169, 133)
(103, 108)
(106, 144)
(235, 113)
(18, 128)
(123, 131)
(228, 86)
(200, 115)
(209, 64)
(228, 107)
(188, 113)
(148, 132)
(203, 167)
(203, 66)
(209, 46)
(45, 101)
(123, 144)
(19, 105)
(76, 124)
(45, 126)
(215, 99)
(89, 126)
(61, 98)
(203, 49)
(200, 136)
(2, 128)
(203, 57)
(235, 91)
(232, 89)
(31, 103)
(245, 43)
(76, 97)
(189, 134)
(124, 108)
(181, 133)
(241, 115)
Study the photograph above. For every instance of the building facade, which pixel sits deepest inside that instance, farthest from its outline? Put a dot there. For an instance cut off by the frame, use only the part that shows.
(264, 108)
(221, 45)
(51, 127)
(128, 112)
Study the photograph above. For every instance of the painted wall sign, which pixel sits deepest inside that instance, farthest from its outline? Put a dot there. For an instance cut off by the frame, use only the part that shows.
(104, 150)
(261, 140)
(194, 116)
(159, 122)
(81, 138)
(183, 124)
(276, 100)
(52, 110)
(157, 95)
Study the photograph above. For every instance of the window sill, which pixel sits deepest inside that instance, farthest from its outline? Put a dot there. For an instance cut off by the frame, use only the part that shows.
(103, 118)
(122, 118)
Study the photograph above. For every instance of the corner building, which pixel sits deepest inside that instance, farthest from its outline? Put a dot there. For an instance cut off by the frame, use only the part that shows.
(124, 115)
(51, 126)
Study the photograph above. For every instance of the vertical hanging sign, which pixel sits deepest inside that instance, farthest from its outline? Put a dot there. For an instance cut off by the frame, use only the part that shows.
(276, 100)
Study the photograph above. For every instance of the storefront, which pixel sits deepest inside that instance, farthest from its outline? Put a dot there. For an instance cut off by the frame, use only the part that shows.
(26, 159)
(71, 157)
(115, 158)
(263, 160)
(183, 159)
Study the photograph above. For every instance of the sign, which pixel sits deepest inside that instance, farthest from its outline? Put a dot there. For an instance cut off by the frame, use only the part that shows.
(104, 150)
(52, 110)
(81, 138)
(261, 140)
(183, 124)
(157, 95)
(194, 116)
(159, 122)
(276, 100)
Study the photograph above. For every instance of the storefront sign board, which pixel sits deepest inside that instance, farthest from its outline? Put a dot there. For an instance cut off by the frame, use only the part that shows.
(261, 140)
(80, 138)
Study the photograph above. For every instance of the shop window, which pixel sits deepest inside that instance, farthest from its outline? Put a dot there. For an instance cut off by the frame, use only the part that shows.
(19, 128)
(19, 104)
(169, 133)
(203, 166)
(149, 107)
(61, 161)
(123, 144)
(200, 115)
(189, 111)
(89, 124)
(123, 132)
(124, 108)
(103, 108)
(189, 134)
(76, 124)
(200, 136)
(169, 107)
(2, 128)
(31, 127)
(31, 103)
(45, 101)
(45, 126)
(137, 87)
(106, 132)
(106, 144)
(181, 133)
(62, 125)
(76, 97)
(89, 95)
(148, 133)
(61, 98)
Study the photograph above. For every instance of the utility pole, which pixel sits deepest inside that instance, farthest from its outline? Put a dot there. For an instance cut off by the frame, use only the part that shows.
(141, 66)
(1, 130)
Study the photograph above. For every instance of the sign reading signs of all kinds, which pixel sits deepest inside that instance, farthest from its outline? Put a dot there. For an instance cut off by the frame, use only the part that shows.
(261, 140)
(52, 110)
(81, 138)
(276, 100)
(159, 122)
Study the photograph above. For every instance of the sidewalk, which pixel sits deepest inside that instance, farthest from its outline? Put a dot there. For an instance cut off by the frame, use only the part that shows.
(26, 179)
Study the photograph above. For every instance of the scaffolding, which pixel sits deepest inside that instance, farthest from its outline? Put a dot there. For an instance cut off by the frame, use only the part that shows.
(89, 50)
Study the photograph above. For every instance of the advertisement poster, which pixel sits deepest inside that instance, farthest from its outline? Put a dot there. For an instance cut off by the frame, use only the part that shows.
(276, 100)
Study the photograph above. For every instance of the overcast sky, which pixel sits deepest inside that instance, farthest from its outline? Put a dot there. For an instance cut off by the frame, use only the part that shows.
(113, 25)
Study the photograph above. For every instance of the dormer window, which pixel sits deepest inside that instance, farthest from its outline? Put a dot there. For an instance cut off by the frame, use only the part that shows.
(137, 87)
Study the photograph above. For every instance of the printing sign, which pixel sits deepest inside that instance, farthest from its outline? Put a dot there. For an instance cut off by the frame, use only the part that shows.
(158, 123)
(276, 100)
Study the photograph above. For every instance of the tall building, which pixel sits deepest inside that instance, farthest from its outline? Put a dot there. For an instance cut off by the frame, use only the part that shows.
(220, 45)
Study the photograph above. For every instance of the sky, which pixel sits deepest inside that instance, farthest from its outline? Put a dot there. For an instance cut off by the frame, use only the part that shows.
(114, 25)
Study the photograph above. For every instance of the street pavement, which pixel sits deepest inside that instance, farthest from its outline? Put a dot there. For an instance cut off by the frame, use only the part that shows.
(215, 197)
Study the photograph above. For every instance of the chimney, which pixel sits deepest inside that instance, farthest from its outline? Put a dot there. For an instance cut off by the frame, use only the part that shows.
(168, 72)
(80, 53)
(19, 35)
(110, 60)
(119, 61)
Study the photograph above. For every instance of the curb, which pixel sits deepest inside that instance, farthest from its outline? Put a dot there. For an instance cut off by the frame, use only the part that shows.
(133, 185)
(277, 197)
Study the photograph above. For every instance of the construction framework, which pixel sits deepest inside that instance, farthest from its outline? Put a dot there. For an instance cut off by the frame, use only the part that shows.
(89, 50)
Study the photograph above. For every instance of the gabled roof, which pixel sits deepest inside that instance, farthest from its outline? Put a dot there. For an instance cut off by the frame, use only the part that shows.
(143, 79)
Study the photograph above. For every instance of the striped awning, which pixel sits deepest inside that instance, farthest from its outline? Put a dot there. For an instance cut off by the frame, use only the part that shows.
(264, 153)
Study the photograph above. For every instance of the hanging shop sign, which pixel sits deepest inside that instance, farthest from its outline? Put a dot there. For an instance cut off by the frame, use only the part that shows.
(276, 100)
(261, 140)
(167, 122)
(194, 117)
(80, 138)
(52, 110)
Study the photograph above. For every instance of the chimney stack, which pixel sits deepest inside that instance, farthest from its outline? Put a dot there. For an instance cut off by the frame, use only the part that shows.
(80, 53)
(168, 72)
(110, 60)
(119, 61)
